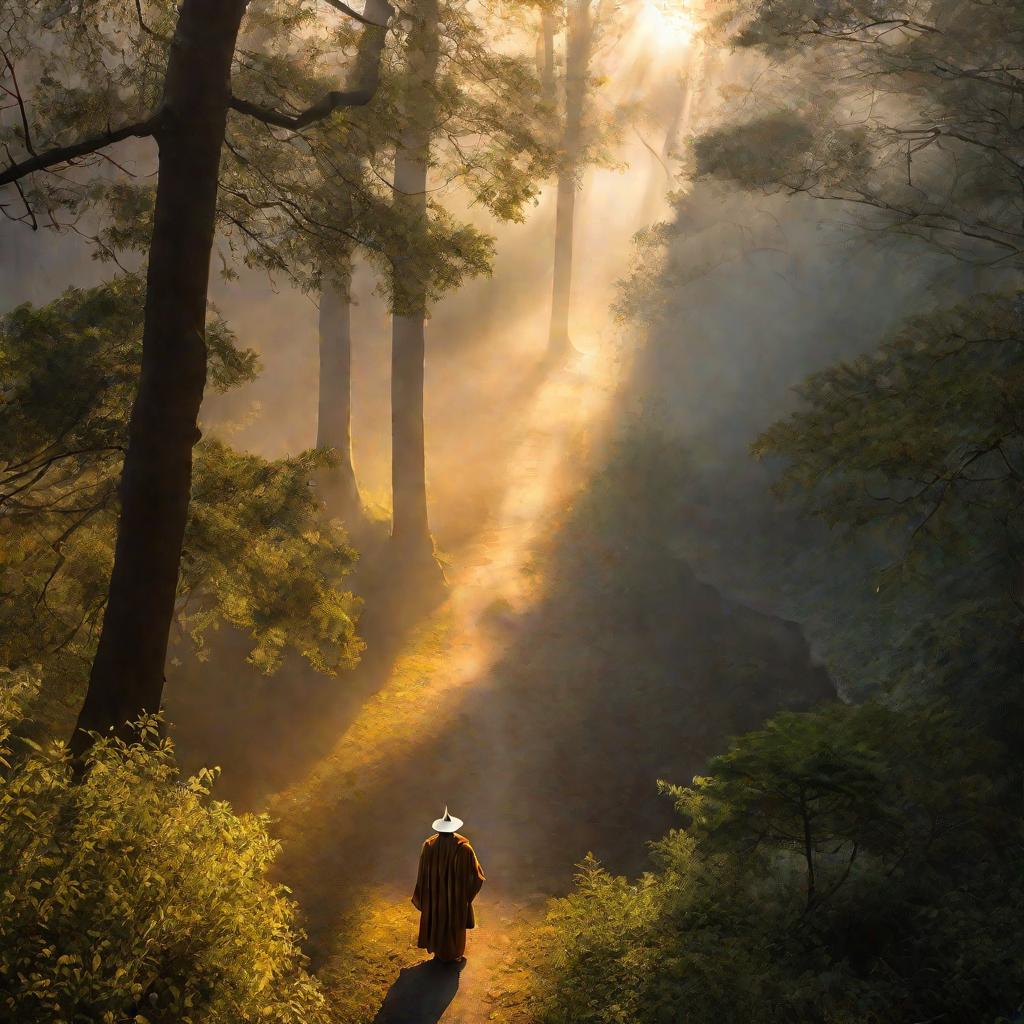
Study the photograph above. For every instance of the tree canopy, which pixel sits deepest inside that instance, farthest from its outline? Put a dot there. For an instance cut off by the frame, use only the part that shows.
(838, 866)
(258, 553)
(909, 111)
(131, 895)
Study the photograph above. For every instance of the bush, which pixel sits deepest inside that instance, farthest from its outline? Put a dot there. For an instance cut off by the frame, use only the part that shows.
(131, 895)
(850, 866)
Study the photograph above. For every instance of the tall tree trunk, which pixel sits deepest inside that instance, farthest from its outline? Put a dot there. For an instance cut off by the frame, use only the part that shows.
(559, 343)
(577, 60)
(410, 531)
(339, 486)
(128, 671)
(334, 419)
(547, 56)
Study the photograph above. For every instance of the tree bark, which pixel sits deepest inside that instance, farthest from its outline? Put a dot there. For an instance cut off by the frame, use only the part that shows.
(559, 342)
(128, 671)
(339, 486)
(334, 420)
(547, 64)
(410, 530)
(577, 60)
(127, 676)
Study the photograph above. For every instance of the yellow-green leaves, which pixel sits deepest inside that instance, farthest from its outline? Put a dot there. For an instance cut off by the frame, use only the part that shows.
(131, 895)
(257, 554)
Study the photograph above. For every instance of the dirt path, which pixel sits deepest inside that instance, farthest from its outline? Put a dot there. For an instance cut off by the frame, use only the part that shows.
(541, 702)
(360, 815)
(427, 991)
(494, 705)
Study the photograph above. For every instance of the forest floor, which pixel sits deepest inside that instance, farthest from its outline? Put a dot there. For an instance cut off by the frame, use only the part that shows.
(571, 662)
(513, 696)
(352, 827)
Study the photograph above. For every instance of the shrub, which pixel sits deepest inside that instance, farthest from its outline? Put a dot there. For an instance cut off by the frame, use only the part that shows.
(856, 865)
(130, 895)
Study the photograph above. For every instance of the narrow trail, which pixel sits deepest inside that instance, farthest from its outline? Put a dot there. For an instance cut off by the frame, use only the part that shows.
(360, 815)
(476, 711)
(572, 662)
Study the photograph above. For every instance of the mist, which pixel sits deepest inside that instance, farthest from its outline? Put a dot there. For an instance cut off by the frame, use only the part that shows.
(622, 594)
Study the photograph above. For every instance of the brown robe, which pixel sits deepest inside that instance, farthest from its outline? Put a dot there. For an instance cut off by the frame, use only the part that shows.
(448, 879)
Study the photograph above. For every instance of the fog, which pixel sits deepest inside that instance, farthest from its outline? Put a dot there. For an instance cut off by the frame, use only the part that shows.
(485, 341)
(490, 699)
(510, 445)
(769, 289)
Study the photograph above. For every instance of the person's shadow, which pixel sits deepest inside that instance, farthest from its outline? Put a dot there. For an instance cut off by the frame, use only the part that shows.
(421, 994)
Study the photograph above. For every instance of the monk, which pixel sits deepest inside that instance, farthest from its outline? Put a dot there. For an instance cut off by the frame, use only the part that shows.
(449, 878)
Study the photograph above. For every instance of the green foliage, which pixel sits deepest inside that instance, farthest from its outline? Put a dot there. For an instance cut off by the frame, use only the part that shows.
(801, 785)
(304, 205)
(257, 554)
(765, 152)
(785, 149)
(920, 433)
(821, 787)
(596, 955)
(293, 203)
(906, 574)
(917, 859)
(131, 895)
(919, 444)
(491, 116)
(84, 348)
(482, 113)
(860, 863)
(889, 107)
(431, 256)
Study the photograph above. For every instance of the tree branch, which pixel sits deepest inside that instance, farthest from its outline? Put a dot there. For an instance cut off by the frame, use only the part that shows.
(364, 80)
(26, 131)
(323, 107)
(67, 154)
(145, 28)
(345, 9)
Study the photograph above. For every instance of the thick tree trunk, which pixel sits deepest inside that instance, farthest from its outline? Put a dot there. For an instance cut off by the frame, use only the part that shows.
(334, 419)
(128, 671)
(410, 531)
(577, 60)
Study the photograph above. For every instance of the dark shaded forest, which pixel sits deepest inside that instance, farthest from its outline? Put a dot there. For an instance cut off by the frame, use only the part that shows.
(597, 418)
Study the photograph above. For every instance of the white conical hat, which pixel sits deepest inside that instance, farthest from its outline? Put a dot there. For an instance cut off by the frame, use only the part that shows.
(447, 823)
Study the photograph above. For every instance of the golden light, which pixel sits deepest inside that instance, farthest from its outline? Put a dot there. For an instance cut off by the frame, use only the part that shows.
(667, 23)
